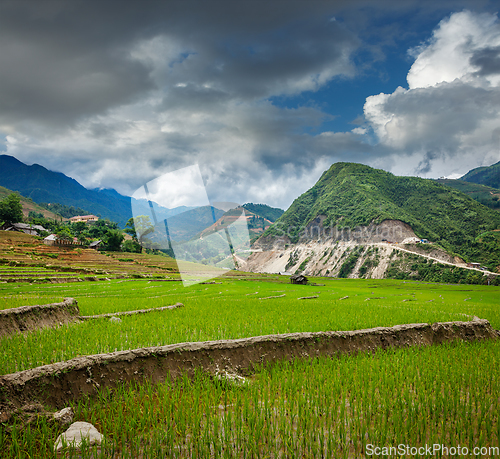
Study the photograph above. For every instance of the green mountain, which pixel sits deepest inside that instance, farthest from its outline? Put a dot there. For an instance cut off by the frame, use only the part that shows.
(263, 210)
(42, 185)
(351, 195)
(64, 195)
(486, 195)
(488, 175)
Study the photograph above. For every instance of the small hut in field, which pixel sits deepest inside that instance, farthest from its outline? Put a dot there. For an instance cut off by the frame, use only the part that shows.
(298, 279)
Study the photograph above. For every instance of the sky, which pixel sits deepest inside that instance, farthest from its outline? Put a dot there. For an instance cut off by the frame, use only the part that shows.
(262, 96)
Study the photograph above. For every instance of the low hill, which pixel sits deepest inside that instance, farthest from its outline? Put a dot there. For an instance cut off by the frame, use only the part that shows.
(30, 206)
(351, 195)
(255, 223)
(487, 175)
(186, 225)
(264, 211)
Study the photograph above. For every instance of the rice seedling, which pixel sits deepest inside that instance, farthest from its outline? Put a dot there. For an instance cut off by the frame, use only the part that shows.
(225, 311)
(340, 407)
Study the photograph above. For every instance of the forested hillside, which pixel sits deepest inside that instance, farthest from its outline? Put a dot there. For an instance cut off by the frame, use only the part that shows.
(30, 207)
(486, 195)
(487, 175)
(263, 210)
(350, 194)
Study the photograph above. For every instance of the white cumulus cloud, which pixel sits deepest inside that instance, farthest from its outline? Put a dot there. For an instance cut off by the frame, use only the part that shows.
(450, 113)
(449, 54)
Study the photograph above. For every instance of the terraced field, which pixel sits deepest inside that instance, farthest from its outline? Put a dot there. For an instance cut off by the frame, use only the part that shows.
(23, 255)
(311, 406)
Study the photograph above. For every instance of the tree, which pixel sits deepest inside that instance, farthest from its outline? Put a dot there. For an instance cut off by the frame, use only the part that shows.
(100, 228)
(82, 237)
(52, 225)
(78, 228)
(115, 239)
(131, 246)
(130, 228)
(64, 233)
(139, 227)
(32, 214)
(11, 209)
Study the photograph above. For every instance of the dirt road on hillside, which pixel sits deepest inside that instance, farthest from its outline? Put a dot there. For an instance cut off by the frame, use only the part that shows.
(458, 265)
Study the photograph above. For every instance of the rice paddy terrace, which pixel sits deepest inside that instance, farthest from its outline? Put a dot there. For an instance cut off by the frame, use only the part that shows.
(27, 259)
(287, 400)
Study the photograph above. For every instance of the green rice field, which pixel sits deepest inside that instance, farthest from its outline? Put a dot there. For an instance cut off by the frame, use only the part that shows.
(231, 309)
(342, 407)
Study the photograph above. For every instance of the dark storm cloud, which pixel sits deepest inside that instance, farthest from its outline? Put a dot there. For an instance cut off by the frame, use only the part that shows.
(194, 97)
(115, 93)
(425, 166)
(274, 62)
(488, 61)
(58, 62)
(63, 60)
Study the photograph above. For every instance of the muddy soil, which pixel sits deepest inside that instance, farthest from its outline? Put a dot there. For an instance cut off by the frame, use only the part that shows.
(28, 318)
(58, 383)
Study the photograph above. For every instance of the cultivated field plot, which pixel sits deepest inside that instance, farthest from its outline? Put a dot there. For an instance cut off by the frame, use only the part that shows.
(50, 274)
(317, 407)
(230, 309)
(20, 251)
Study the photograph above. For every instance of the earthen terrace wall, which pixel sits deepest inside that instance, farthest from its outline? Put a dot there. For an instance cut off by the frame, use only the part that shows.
(58, 383)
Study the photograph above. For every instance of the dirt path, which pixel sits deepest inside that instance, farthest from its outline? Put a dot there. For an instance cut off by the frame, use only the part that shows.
(458, 265)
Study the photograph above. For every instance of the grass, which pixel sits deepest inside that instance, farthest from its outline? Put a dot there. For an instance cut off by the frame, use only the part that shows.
(229, 310)
(320, 407)
(341, 407)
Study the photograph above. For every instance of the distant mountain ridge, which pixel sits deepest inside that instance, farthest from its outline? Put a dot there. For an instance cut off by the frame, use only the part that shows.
(486, 175)
(42, 185)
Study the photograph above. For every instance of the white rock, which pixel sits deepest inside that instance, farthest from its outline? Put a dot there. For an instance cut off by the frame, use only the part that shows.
(115, 319)
(230, 378)
(65, 416)
(77, 433)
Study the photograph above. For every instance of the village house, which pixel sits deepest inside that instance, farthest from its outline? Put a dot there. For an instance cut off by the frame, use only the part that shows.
(96, 245)
(84, 218)
(52, 239)
(33, 230)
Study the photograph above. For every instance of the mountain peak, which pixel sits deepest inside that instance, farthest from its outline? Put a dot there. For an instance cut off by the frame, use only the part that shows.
(351, 195)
